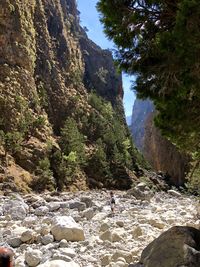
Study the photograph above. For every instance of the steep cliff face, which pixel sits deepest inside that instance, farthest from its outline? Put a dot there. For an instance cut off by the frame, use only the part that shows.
(163, 155)
(157, 150)
(100, 73)
(140, 112)
(50, 73)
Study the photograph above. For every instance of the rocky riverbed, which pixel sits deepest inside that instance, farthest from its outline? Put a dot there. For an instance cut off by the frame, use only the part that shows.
(78, 229)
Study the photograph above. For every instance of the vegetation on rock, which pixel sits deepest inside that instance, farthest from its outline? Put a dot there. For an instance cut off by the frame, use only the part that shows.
(61, 114)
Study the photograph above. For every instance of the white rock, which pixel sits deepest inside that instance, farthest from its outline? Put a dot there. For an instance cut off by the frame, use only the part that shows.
(30, 220)
(64, 227)
(59, 256)
(27, 236)
(99, 216)
(174, 193)
(122, 254)
(53, 206)
(68, 252)
(63, 243)
(40, 211)
(59, 263)
(20, 261)
(117, 235)
(16, 209)
(33, 257)
(47, 239)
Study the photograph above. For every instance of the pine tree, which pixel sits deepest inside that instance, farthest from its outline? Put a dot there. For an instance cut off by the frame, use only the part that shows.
(72, 141)
(158, 41)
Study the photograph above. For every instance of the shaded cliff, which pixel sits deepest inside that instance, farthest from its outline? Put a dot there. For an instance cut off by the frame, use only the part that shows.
(157, 150)
(62, 121)
(141, 110)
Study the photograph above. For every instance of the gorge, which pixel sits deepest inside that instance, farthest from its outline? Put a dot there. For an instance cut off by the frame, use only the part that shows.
(64, 145)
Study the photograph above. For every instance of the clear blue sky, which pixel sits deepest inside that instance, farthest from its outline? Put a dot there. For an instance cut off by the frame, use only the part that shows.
(90, 18)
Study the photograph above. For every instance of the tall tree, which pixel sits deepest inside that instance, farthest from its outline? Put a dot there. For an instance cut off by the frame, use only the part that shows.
(158, 41)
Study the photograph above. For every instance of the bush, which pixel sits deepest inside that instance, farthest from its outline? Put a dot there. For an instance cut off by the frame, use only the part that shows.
(193, 184)
(45, 178)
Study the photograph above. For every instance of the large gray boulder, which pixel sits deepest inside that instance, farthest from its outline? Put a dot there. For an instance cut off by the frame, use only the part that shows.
(15, 207)
(179, 246)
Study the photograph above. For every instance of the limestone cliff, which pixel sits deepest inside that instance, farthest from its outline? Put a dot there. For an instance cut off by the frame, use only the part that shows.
(52, 77)
(140, 112)
(157, 150)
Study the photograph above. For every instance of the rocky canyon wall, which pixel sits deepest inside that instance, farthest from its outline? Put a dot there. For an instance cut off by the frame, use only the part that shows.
(157, 150)
(50, 73)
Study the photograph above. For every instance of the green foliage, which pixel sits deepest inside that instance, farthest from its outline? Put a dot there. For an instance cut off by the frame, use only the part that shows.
(42, 94)
(158, 41)
(192, 179)
(45, 178)
(193, 184)
(11, 7)
(114, 146)
(27, 123)
(72, 141)
(76, 77)
(11, 141)
(64, 168)
(98, 165)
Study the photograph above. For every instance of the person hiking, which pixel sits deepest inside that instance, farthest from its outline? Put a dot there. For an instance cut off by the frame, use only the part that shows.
(112, 202)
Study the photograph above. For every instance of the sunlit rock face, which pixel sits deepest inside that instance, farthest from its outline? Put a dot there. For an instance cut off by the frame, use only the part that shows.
(48, 67)
(157, 150)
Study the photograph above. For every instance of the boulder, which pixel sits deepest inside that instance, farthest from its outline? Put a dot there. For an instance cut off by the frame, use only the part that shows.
(16, 208)
(77, 205)
(47, 239)
(122, 254)
(41, 211)
(87, 201)
(28, 235)
(64, 227)
(33, 257)
(179, 246)
(53, 206)
(141, 191)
